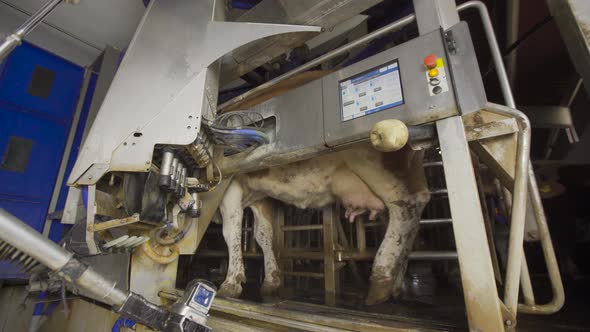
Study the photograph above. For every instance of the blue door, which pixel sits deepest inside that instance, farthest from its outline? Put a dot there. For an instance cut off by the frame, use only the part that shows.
(38, 96)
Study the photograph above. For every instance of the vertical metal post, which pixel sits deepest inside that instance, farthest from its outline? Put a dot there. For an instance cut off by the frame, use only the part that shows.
(279, 238)
(525, 280)
(90, 215)
(330, 277)
(67, 151)
(477, 274)
(361, 237)
(512, 24)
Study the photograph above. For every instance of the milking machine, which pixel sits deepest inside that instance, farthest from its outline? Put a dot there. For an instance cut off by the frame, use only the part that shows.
(159, 154)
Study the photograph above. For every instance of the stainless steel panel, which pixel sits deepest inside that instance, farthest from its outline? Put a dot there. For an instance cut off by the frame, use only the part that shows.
(477, 274)
(158, 93)
(418, 108)
(465, 73)
(434, 14)
(299, 131)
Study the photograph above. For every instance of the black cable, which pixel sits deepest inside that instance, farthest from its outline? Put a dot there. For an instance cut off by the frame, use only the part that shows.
(527, 34)
(519, 41)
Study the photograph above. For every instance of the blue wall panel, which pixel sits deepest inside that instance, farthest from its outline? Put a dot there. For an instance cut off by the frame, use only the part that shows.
(16, 77)
(44, 120)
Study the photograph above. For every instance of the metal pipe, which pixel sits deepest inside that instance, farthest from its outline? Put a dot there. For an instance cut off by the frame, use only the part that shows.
(554, 277)
(512, 19)
(19, 235)
(436, 221)
(317, 275)
(527, 287)
(519, 201)
(24, 238)
(548, 251)
(34, 20)
(414, 255)
(406, 20)
(292, 228)
(494, 49)
(13, 40)
(439, 191)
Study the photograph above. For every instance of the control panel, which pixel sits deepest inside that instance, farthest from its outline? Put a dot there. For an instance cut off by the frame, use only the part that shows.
(416, 82)
(409, 82)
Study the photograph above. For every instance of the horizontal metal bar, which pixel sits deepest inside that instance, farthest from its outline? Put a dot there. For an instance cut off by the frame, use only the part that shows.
(317, 275)
(432, 163)
(291, 228)
(433, 255)
(223, 253)
(414, 255)
(436, 221)
(422, 222)
(339, 255)
(439, 191)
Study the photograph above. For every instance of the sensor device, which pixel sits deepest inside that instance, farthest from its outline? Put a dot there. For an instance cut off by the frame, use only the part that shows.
(194, 304)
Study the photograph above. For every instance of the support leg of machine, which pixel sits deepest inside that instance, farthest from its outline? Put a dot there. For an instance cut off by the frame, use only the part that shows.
(477, 274)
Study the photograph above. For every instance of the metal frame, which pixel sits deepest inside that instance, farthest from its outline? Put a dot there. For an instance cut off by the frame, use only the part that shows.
(555, 278)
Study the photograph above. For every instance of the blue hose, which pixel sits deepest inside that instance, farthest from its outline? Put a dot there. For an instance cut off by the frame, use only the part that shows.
(122, 322)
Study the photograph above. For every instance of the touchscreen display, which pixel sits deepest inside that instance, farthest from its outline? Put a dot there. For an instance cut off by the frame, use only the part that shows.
(370, 92)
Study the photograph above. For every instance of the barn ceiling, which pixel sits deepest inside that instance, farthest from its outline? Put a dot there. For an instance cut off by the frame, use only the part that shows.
(77, 32)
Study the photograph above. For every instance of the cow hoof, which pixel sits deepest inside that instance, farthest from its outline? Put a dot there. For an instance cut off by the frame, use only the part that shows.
(228, 289)
(269, 289)
(379, 291)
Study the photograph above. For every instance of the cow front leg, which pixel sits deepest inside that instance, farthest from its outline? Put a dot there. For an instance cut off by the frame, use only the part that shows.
(391, 259)
(263, 233)
(232, 212)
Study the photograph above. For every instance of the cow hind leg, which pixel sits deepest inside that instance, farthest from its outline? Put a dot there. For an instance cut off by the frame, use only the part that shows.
(391, 259)
(232, 212)
(263, 233)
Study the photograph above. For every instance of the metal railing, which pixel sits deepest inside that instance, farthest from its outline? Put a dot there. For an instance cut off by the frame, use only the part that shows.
(520, 272)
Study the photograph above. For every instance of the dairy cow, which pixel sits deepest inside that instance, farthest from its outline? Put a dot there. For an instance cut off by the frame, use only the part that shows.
(361, 178)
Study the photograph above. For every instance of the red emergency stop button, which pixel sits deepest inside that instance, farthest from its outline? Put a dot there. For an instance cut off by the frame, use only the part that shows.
(430, 61)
